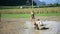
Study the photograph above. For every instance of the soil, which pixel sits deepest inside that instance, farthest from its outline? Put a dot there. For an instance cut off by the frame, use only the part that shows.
(23, 25)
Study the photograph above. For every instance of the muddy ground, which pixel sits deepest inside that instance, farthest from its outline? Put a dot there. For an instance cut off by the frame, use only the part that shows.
(23, 25)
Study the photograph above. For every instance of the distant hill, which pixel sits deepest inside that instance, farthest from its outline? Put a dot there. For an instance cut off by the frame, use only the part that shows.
(58, 1)
(45, 2)
(39, 3)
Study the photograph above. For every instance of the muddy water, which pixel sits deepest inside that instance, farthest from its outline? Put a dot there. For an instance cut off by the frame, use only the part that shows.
(52, 25)
(17, 26)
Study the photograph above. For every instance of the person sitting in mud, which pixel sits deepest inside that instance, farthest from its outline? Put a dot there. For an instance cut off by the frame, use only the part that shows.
(38, 24)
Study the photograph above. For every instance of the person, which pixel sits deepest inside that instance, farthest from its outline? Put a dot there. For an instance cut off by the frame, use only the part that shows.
(32, 15)
(38, 24)
(33, 18)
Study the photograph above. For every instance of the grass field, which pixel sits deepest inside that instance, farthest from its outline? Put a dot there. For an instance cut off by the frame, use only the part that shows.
(28, 10)
(27, 15)
(25, 12)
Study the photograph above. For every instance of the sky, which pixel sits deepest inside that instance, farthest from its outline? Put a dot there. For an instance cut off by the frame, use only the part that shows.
(50, 1)
(38, 2)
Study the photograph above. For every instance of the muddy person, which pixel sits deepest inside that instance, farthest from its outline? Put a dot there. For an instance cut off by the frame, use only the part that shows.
(33, 18)
(32, 15)
(38, 24)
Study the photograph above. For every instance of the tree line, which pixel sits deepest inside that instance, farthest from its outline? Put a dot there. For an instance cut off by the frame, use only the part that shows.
(15, 2)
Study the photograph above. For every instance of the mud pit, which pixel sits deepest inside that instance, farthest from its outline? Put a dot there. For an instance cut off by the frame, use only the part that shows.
(23, 26)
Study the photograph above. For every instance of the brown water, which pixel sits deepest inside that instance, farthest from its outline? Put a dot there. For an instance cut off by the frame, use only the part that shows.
(52, 25)
(20, 26)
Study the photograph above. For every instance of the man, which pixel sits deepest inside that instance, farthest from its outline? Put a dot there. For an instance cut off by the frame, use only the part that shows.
(32, 15)
(38, 24)
(32, 18)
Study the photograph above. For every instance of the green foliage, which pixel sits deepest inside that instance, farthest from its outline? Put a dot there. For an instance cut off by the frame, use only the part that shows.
(53, 5)
(15, 2)
(15, 15)
(27, 15)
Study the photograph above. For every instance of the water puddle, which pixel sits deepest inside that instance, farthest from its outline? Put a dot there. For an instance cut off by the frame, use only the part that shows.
(52, 25)
(17, 28)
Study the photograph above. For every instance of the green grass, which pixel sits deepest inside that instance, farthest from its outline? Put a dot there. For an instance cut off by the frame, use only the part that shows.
(48, 14)
(27, 15)
(15, 15)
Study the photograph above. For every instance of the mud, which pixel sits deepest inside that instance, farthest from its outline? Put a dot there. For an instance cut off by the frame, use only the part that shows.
(23, 26)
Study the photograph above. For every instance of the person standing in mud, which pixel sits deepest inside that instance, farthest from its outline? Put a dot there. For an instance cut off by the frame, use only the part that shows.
(32, 15)
(33, 18)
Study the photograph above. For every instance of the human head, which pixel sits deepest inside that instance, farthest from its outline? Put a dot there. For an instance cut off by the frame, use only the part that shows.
(32, 11)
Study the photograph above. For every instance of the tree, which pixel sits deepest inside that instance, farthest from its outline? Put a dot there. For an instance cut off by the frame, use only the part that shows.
(14, 2)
